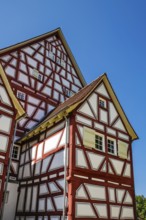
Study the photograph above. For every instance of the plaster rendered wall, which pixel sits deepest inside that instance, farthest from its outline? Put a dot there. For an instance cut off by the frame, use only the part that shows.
(10, 207)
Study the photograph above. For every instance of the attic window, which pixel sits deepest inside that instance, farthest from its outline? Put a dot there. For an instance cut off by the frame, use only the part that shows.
(102, 103)
(21, 95)
(37, 75)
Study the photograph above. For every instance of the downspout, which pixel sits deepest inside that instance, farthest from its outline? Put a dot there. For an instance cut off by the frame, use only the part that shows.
(8, 171)
(65, 164)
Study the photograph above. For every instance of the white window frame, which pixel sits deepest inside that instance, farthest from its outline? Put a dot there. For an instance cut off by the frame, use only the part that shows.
(21, 95)
(103, 142)
(103, 100)
(115, 146)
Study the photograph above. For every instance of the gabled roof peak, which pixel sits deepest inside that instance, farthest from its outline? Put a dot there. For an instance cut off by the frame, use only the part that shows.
(29, 41)
(71, 103)
(57, 32)
(20, 111)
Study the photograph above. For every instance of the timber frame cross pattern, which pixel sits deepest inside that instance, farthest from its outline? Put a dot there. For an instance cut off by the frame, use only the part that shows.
(70, 154)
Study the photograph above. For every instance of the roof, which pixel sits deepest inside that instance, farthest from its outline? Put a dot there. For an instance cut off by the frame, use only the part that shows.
(18, 107)
(56, 32)
(70, 104)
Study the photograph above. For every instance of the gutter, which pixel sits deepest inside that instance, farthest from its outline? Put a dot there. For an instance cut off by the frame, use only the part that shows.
(65, 166)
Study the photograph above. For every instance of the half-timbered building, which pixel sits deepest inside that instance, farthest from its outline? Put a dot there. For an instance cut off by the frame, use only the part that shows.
(10, 112)
(43, 73)
(90, 135)
(74, 149)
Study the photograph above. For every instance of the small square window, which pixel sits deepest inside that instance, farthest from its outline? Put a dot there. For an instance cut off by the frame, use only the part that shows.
(98, 142)
(111, 146)
(15, 154)
(37, 75)
(40, 77)
(21, 95)
(102, 103)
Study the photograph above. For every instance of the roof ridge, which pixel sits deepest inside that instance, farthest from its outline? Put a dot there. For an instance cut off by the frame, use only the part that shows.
(29, 39)
(85, 87)
(70, 99)
(70, 102)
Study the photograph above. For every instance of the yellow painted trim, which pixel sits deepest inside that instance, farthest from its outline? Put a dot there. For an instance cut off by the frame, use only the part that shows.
(121, 112)
(65, 112)
(50, 122)
(25, 43)
(41, 127)
(20, 110)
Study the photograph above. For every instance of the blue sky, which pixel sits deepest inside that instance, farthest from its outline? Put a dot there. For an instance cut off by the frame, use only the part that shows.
(104, 36)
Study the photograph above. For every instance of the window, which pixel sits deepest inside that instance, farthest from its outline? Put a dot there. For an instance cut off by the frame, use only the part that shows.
(111, 146)
(93, 139)
(98, 142)
(37, 75)
(40, 77)
(21, 95)
(102, 103)
(15, 154)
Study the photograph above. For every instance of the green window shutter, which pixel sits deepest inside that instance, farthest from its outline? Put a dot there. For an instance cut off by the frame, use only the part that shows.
(88, 137)
(122, 149)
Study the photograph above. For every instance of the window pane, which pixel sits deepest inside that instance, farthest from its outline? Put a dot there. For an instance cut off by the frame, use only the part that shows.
(111, 146)
(98, 142)
(101, 103)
